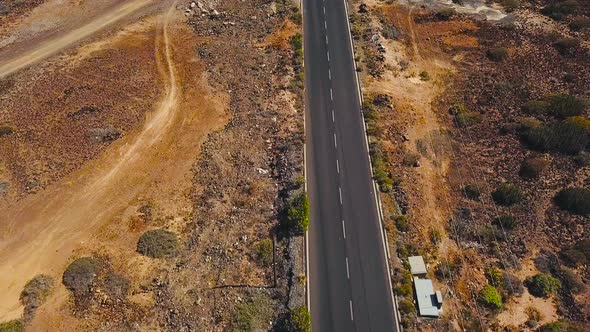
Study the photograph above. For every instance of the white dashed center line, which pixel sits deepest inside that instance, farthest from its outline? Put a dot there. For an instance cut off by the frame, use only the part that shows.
(347, 270)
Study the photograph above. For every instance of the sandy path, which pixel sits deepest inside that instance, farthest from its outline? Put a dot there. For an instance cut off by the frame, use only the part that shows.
(40, 234)
(53, 46)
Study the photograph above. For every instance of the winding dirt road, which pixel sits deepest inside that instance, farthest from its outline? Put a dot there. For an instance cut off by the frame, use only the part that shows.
(42, 232)
(53, 46)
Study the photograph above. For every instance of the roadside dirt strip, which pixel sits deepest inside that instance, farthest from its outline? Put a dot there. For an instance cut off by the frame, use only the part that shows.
(53, 46)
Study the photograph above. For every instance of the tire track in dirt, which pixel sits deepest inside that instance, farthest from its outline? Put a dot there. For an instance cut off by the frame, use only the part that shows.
(53, 46)
(41, 233)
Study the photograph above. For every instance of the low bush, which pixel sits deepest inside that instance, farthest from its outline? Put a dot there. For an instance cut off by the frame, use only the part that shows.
(495, 276)
(445, 14)
(298, 214)
(253, 314)
(406, 306)
(264, 252)
(564, 105)
(532, 167)
(35, 293)
(512, 285)
(576, 255)
(490, 297)
(579, 121)
(580, 23)
(562, 326)
(15, 325)
(81, 274)
(571, 281)
(158, 243)
(564, 137)
(542, 285)
(424, 76)
(471, 191)
(497, 54)
(446, 268)
(536, 107)
(507, 194)
(464, 117)
(574, 200)
(510, 5)
(402, 223)
(299, 320)
(566, 45)
(582, 159)
(505, 222)
(559, 11)
(6, 130)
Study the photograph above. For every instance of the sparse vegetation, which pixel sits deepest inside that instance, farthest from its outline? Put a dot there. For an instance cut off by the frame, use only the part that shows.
(299, 320)
(536, 107)
(574, 200)
(158, 243)
(116, 286)
(497, 54)
(559, 10)
(15, 325)
(424, 76)
(6, 130)
(471, 191)
(510, 5)
(253, 314)
(578, 254)
(490, 297)
(401, 223)
(532, 167)
(507, 194)
(464, 117)
(264, 252)
(505, 221)
(566, 45)
(542, 285)
(580, 23)
(445, 14)
(564, 105)
(298, 214)
(35, 293)
(564, 137)
(81, 274)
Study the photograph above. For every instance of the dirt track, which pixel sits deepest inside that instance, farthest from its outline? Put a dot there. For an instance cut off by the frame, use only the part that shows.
(51, 47)
(40, 234)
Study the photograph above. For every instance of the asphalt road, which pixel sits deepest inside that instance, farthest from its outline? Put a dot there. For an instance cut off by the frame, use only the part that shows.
(349, 282)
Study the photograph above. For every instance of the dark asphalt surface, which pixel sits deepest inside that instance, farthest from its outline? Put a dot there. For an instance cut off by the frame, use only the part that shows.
(349, 286)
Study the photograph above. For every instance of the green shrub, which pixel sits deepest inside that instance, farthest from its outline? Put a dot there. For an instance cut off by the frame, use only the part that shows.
(471, 191)
(558, 11)
(532, 167)
(527, 123)
(15, 325)
(298, 214)
(505, 222)
(507, 194)
(574, 200)
(406, 306)
(564, 105)
(582, 159)
(579, 121)
(564, 137)
(81, 274)
(536, 107)
(566, 45)
(158, 243)
(297, 42)
(299, 320)
(264, 252)
(497, 54)
(495, 276)
(542, 285)
(580, 23)
(490, 297)
(35, 293)
(401, 223)
(464, 117)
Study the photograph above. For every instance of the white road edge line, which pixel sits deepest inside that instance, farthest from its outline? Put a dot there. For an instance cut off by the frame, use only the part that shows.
(344, 233)
(347, 269)
(351, 314)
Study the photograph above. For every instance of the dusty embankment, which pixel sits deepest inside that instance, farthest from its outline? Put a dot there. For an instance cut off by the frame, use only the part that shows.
(41, 232)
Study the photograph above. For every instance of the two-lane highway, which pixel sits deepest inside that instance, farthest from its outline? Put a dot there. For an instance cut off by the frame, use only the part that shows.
(349, 282)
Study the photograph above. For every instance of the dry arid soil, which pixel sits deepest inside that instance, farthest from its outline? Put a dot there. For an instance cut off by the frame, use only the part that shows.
(121, 117)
